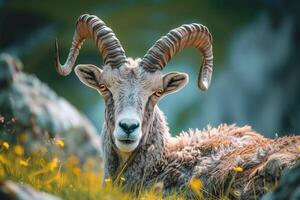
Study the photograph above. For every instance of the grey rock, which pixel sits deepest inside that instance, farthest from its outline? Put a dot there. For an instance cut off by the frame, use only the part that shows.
(15, 191)
(29, 106)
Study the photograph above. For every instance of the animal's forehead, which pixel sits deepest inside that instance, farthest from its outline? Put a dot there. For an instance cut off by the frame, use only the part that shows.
(130, 75)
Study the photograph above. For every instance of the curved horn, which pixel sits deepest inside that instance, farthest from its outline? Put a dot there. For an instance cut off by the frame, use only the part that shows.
(90, 26)
(191, 35)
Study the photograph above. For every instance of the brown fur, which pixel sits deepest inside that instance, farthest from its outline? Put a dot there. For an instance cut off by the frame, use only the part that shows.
(131, 89)
(210, 155)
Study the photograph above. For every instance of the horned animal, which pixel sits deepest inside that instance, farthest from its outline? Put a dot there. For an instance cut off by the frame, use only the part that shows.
(135, 136)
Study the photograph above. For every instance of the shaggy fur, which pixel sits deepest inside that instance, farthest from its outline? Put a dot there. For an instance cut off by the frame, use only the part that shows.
(131, 89)
(209, 155)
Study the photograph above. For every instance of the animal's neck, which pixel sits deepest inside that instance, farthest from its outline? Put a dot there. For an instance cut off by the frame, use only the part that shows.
(158, 134)
(149, 153)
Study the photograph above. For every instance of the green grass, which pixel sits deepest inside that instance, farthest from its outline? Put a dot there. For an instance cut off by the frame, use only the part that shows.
(65, 177)
(48, 169)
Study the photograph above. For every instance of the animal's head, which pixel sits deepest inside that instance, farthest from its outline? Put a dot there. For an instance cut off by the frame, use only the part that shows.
(131, 88)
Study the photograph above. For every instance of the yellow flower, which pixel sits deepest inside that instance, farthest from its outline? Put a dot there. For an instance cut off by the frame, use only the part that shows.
(196, 184)
(5, 145)
(23, 163)
(53, 164)
(122, 179)
(59, 143)
(107, 180)
(19, 151)
(151, 196)
(298, 147)
(238, 169)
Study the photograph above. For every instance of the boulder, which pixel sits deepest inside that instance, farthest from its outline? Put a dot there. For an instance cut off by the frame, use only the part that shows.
(29, 107)
(14, 191)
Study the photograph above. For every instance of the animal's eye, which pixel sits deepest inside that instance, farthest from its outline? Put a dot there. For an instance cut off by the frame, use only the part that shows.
(158, 92)
(102, 88)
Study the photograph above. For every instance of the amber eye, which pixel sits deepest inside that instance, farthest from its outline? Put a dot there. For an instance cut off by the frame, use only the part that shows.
(102, 88)
(158, 92)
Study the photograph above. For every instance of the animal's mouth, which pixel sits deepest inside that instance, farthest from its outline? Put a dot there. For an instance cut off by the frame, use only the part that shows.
(127, 141)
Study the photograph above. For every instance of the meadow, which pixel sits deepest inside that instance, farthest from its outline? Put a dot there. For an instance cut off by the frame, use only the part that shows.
(48, 169)
(66, 177)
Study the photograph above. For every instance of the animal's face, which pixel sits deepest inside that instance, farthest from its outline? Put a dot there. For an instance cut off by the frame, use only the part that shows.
(130, 94)
(131, 88)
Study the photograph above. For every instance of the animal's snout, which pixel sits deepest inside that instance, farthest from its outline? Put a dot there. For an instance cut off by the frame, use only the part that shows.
(129, 125)
(127, 133)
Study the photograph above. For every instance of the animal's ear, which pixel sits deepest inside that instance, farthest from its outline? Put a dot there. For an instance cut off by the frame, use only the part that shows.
(174, 81)
(89, 75)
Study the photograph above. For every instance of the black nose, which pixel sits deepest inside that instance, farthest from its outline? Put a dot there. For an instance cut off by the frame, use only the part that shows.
(128, 127)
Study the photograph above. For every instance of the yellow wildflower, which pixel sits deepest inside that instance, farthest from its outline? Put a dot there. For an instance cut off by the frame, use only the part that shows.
(298, 147)
(53, 164)
(238, 169)
(19, 151)
(5, 145)
(151, 196)
(196, 184)
(122, 179)
(107, 180)
(59, 143)
(23, 163)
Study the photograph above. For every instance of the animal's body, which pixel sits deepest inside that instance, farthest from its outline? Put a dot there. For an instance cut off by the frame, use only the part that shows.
(136, 141)
(210, 155)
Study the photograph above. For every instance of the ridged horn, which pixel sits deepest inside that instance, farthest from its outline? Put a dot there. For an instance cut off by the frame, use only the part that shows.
(90, 26)
(189, 35)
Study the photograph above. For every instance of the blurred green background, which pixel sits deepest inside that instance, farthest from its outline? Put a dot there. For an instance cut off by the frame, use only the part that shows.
(256, 49)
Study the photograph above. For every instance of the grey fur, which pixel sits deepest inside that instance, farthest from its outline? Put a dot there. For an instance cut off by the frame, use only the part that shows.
(209, 155)
(131, 92)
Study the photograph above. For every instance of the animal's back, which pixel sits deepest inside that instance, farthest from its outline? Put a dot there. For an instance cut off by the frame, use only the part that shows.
(218, 155)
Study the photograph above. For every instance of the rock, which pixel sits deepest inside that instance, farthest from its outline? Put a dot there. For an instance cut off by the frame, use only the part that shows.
(30, 107)
(289, 186)
(14, 191)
